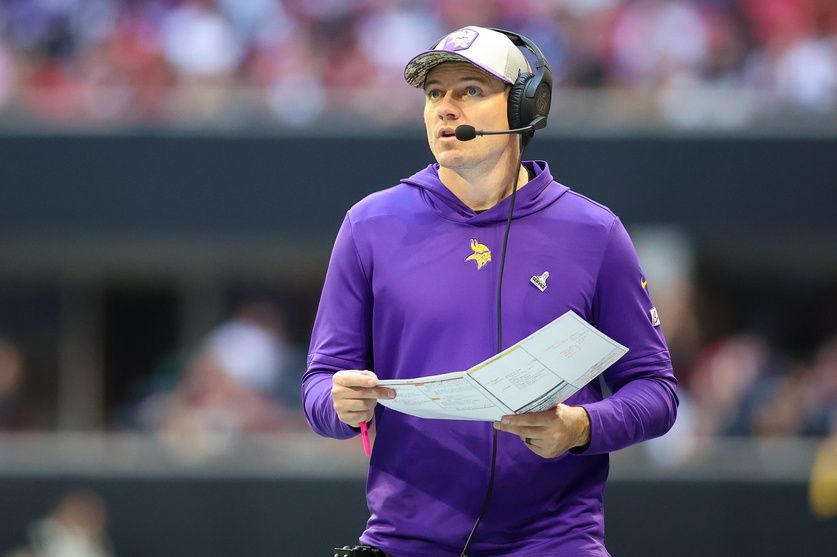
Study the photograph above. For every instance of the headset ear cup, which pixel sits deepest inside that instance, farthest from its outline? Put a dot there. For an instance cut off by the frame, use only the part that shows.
(543, 100)
(517, 110)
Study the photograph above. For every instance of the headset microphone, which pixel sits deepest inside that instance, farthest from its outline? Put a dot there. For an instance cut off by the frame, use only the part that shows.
(467, 133)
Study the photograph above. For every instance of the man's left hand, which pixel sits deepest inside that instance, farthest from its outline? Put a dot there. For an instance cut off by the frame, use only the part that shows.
(550, 433)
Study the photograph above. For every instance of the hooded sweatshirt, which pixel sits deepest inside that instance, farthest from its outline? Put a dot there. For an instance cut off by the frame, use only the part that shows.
(411, 290)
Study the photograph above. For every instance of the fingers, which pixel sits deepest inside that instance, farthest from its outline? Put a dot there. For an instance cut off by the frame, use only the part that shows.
(355, 378)
(362, 392)
(355, 395)
(544, 433)
(522, 431)
(532, 442)
(359, 384)
(541, 447)
(354, 411)
(354, 405)
(354, 419)
(527, 425)
(530, 419)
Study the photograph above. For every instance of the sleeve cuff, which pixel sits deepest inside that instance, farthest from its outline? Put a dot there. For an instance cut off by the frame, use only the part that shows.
(583, 449)
(596, 444)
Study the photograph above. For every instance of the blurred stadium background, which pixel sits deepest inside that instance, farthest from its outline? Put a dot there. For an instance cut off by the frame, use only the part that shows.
(172, 174)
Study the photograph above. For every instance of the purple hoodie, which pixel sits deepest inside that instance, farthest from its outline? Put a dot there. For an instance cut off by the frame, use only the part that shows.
(405, 296)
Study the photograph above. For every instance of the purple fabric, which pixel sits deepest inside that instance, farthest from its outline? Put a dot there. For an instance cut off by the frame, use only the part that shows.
(402, 299)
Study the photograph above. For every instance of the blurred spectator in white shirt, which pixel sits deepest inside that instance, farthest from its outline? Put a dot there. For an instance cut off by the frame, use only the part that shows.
(243, 379)
(75, 527)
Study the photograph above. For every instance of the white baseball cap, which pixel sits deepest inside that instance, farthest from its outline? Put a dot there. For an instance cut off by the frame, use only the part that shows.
(487, 49)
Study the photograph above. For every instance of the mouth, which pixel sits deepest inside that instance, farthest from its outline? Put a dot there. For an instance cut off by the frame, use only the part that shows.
(446, 132)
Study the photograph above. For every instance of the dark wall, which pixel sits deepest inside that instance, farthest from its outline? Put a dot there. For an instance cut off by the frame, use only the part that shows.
(165, 517)
(761, 213)
(291, 187)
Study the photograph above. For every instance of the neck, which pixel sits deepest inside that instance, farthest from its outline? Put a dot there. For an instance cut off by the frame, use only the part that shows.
(483, 188)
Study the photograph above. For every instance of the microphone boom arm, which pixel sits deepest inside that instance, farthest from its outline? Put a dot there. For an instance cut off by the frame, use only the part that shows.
(467, 133)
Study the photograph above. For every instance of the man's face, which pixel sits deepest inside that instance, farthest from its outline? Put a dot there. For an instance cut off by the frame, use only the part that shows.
(458, 93)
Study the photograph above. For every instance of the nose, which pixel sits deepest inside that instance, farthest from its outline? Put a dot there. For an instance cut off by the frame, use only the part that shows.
(447, 108)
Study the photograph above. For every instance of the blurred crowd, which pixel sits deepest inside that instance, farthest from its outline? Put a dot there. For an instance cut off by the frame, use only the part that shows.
(297, 62)
(12, 378)
(243, 377)
(76, 526)
(743, 386)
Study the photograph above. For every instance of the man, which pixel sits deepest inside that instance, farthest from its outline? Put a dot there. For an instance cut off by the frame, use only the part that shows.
(411, 290)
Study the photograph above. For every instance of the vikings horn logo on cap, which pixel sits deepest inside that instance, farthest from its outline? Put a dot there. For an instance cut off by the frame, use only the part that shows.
(460, 40)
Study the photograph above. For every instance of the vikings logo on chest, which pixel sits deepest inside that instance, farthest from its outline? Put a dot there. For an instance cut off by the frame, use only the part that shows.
(482, 255)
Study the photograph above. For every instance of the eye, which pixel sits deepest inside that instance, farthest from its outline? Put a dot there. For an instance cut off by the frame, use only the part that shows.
(434, 94)
(472, 91)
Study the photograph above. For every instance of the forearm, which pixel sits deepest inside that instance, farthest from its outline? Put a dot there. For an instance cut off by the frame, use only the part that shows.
(341, 337)
(642, 409)
(319, 407)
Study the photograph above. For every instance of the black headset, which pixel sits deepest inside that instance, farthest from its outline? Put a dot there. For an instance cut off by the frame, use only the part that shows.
(531, 95)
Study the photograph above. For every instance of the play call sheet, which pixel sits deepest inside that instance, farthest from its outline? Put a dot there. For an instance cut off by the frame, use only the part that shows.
(535, 374)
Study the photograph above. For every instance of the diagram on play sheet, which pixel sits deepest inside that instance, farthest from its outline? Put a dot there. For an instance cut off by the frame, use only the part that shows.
(540, 371)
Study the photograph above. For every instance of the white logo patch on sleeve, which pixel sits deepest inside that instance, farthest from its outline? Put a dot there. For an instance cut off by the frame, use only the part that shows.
(655, 317)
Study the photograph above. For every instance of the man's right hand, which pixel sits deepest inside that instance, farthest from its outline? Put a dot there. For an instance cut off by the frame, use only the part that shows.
(355, 395)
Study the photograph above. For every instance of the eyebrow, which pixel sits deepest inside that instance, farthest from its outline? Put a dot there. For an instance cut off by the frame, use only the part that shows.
(474, 77)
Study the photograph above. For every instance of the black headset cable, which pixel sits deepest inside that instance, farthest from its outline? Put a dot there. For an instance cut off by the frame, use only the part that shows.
(490, 488)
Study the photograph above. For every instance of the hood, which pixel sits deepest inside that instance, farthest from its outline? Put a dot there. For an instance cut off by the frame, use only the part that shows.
(535, 195)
